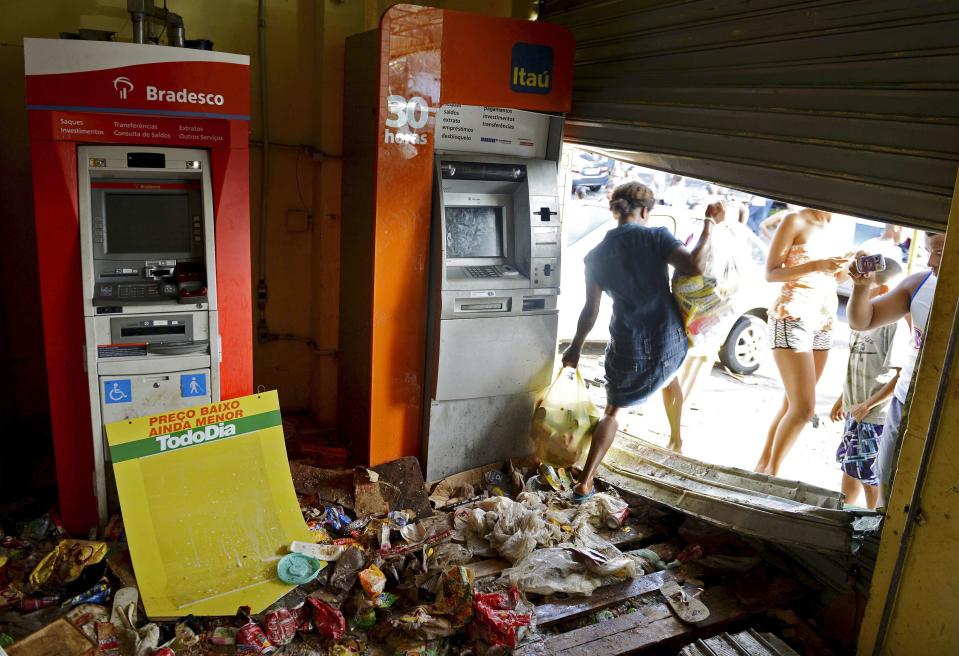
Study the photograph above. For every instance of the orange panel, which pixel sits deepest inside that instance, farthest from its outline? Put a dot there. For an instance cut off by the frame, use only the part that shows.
(487, 60)
(468, 58)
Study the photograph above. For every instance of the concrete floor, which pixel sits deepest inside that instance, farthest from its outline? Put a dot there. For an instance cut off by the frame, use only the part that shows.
(726, 419)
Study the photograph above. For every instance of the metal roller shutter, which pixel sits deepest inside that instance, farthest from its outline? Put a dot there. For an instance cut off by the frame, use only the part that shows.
(844, 105)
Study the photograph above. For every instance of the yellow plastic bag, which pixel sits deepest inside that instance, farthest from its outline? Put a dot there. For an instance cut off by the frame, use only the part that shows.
(564, 420)
(706, 301)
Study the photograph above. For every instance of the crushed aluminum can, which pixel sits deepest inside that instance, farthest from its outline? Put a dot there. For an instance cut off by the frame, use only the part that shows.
(282, 623)
(28, 604)
(252, 637)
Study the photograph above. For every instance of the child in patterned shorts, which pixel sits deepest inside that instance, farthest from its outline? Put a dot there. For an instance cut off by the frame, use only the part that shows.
(875, 358)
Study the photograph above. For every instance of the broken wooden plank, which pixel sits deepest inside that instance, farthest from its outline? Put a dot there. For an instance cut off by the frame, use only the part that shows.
(562, 610)
(635, 633)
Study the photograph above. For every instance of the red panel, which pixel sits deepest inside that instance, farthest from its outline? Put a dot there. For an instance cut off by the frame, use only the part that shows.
(61, 293)
(54, 134)
(230, 169)
(205, 88)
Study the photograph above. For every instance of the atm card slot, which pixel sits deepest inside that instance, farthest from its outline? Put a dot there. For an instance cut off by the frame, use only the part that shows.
(150, 331)
(477, 305)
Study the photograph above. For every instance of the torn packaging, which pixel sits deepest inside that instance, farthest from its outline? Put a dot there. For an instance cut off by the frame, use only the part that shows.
(559, 569)
(500, 618)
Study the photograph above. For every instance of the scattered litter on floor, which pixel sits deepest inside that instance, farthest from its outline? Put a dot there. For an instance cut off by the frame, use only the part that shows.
(491, 561)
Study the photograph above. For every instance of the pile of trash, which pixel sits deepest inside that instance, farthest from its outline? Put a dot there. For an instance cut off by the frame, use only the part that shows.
(388, 572)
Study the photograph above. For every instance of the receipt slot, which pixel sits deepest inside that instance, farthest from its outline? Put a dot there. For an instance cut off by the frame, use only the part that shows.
(141, 205)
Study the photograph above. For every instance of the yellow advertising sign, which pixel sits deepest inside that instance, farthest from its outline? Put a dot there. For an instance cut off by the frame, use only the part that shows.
(208, 505)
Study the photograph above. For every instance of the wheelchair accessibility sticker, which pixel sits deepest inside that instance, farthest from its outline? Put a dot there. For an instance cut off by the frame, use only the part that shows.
(118, 391)
(193, 385)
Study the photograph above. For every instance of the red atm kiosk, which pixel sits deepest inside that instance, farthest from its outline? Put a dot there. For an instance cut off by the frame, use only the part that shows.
(141, 191)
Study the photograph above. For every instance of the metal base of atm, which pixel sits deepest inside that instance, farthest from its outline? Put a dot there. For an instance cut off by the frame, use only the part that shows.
(473, 432)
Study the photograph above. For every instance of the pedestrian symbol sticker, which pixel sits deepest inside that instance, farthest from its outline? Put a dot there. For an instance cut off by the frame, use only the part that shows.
(193, 385)
(118, 391)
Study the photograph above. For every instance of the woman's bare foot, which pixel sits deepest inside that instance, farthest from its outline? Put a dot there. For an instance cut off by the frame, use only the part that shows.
(675, 444)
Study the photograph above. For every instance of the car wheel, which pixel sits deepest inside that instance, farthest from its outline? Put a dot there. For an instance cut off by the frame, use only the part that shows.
(595, 187)
(744, 345)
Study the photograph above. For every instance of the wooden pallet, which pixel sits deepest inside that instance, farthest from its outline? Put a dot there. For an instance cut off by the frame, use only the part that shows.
(653, 625)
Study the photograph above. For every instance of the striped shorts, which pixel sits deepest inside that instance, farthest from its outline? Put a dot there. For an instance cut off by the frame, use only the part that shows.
(793, 334)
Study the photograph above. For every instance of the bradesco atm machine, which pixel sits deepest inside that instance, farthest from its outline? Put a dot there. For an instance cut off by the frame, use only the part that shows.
(149, 284)
(495, 280)
(140, 167)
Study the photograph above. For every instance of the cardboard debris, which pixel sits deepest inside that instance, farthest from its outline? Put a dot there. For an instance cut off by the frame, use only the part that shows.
(59, 638)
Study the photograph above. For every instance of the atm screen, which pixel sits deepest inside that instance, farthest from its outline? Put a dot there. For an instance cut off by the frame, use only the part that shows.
(140, 223)
(474, 232)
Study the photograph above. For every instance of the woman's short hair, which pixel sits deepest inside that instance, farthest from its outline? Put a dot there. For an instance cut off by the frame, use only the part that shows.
(629, 197)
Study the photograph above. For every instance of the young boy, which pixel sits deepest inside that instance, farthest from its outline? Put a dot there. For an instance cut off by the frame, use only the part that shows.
(913, 297)
(875, 358)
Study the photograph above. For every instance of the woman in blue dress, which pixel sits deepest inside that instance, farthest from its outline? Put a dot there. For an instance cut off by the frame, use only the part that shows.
(647, 340)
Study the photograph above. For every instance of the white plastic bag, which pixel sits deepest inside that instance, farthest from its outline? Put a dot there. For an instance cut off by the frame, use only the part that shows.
(564, 420)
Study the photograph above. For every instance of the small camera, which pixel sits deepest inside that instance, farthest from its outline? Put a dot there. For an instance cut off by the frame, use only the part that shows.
(870, 263)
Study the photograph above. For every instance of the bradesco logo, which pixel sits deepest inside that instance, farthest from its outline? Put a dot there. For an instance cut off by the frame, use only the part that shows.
(123, 86)
(184, 96)
(532, 68)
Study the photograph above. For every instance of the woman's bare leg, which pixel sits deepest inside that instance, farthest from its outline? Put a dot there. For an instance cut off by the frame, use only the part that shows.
(872, 496)
(673, 403)
(798, 371)
(850, 488)
(763, 463)
(692, 372)
(603, 438)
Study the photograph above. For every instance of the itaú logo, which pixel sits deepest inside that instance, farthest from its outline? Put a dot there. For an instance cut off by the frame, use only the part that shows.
(122, 86)
(184, 96)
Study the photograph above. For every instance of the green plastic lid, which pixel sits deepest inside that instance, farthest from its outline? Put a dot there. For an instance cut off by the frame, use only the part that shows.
(297, 569)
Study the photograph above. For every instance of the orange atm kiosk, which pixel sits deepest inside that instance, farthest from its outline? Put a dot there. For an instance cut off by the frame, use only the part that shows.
(450, 236)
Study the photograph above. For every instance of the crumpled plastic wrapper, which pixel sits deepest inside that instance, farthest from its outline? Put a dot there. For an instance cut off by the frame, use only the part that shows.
(65, 563)
(559, 569)
(507, 528)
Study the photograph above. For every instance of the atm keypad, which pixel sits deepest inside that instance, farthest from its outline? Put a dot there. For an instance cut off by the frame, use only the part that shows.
(483, 272)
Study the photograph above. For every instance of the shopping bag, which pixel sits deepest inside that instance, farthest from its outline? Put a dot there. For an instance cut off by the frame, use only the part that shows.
(706, 301)
(563, 420)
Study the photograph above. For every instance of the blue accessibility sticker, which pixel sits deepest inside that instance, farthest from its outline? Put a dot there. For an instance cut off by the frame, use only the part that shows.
(118, 391)
(193, 385)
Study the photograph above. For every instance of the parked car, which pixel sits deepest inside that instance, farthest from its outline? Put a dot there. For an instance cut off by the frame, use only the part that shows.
(741, 350)
(590, 170)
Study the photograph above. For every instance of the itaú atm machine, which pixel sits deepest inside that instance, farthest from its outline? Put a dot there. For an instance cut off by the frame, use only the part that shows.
(495, 280)
(149, 285)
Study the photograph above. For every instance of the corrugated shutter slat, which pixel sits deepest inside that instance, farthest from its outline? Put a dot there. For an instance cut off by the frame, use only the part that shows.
(849, 105)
